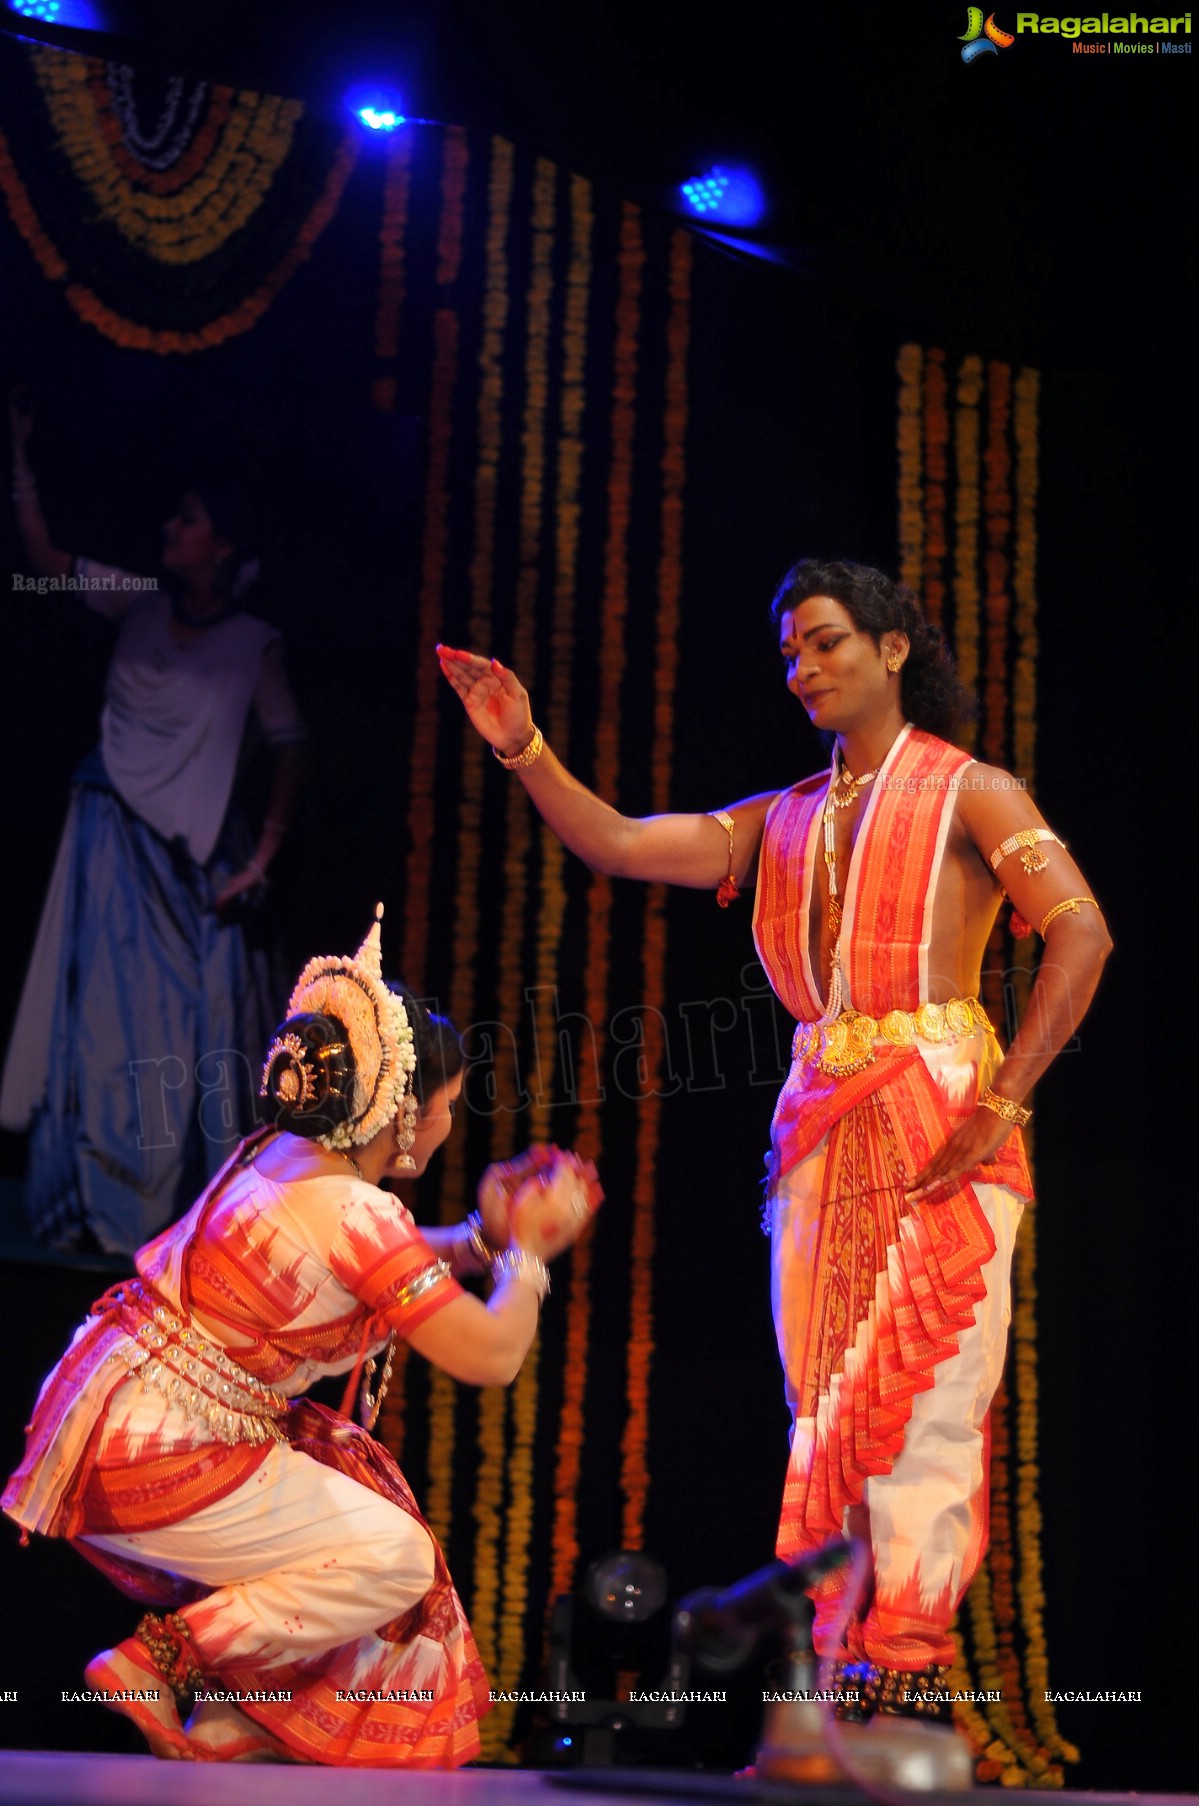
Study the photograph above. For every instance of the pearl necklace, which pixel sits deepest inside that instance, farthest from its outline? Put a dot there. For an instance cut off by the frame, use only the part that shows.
(833, 802)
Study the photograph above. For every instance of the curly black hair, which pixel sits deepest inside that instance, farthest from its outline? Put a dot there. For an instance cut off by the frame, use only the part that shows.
(933, 696)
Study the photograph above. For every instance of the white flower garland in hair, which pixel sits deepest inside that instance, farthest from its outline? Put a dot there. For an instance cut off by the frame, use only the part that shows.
(380, 1037)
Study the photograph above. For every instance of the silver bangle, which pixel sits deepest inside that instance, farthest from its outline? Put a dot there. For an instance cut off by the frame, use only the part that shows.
(519, 1264)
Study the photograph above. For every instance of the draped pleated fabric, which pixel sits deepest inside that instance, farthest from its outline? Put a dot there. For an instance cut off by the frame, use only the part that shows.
(894, 1284)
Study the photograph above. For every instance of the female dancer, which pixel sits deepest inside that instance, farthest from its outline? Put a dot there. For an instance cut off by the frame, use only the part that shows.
(314, 1616)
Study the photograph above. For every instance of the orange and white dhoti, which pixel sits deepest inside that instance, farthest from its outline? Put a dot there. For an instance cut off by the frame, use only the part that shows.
(891, 1317)
(925, 1518)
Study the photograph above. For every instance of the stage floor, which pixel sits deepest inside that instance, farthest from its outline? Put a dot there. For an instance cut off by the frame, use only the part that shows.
(34, 1778)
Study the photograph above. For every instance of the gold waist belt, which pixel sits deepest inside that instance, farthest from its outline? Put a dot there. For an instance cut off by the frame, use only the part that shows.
(849, 1044)
(167, 1352)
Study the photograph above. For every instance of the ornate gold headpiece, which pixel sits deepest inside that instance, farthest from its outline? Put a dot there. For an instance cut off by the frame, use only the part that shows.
(380, 1037)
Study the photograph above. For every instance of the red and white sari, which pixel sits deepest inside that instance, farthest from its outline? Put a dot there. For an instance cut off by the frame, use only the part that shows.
(302, 1565)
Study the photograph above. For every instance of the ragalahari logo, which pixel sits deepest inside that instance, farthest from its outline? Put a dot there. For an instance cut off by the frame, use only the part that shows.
(983, 38)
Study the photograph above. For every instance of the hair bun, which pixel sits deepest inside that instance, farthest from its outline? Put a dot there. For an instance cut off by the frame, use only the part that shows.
(308, 1075)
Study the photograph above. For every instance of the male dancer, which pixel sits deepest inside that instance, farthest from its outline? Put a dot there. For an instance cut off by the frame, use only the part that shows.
(898, 1174)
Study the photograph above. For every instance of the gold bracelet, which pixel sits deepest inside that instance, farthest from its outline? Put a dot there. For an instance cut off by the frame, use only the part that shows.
(1012, 1112)
(529, 756)
(1030, 858)
(1059, 909)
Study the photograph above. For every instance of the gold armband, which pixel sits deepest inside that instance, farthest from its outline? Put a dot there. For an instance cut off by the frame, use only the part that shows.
(728, 888)
(1028, 838)
(1071, 904)
(529, 755)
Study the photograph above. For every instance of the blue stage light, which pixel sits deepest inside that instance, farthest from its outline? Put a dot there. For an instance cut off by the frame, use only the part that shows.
(380, 119)
(378, 109)
(83, 15)
(733, 196)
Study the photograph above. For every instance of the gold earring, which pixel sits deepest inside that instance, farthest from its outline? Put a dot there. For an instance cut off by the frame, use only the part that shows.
(894, 663)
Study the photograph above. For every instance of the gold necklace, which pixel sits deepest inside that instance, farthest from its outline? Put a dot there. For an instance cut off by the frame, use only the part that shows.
(853, 787)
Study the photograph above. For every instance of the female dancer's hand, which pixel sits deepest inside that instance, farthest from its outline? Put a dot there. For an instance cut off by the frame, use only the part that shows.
(552, 1209)
(498, 1188)
(493, 697)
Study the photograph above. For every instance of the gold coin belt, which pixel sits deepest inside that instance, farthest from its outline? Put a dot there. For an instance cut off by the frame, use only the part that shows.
(848, 1044)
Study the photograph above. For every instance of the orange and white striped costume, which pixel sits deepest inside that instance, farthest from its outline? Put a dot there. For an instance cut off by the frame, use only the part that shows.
(891, 1318)
(295, 1550)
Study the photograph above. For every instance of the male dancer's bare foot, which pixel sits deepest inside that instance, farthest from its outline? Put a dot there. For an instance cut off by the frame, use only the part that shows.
(218, 1731)
(129, 1670)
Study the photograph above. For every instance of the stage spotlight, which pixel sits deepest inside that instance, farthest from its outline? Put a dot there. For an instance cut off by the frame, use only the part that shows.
(626, 1587)
(616, 1635)
(39, 9)
(378, 109)
(732, 197)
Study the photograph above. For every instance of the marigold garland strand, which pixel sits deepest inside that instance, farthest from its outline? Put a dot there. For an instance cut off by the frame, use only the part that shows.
(397, 184)
(392, 231)
(936, 439)
(169, 341)
(997, 509)
(443, 1395)
(1026, 433)
(911, 489)
(196, 220)
(423, 753)
(493, 1407)
(967, 596)
(635, 1478)
(552, 899)
(24, 218)
(434, 553)
(1015, 1738)
(1026, 428)
(518, 843)
(612, 659)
